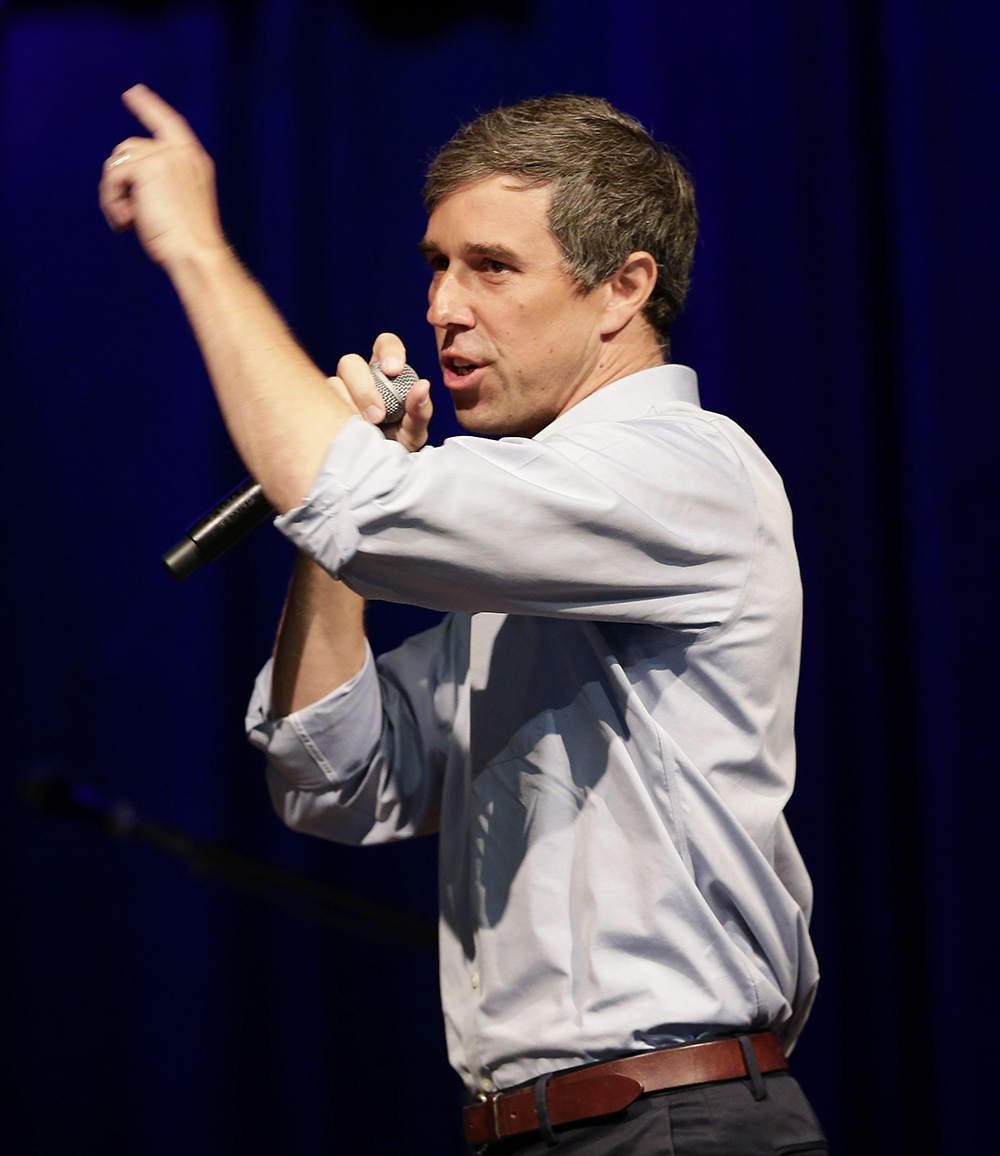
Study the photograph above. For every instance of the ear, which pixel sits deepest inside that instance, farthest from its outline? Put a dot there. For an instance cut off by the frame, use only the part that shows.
(627, 291)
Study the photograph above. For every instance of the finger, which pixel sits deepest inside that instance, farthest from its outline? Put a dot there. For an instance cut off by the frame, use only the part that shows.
(417, 415)
(390, 353)
(118, 172)
(119, 216)
(341, 391)
(113, 193)
(133, 146)
(419, 399)
(354, 372)
(162, 120)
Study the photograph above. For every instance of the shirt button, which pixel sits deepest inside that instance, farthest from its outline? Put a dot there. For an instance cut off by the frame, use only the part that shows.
(487, 1084)
(474, 979)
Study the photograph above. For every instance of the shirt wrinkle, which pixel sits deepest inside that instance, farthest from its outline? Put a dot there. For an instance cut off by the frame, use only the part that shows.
(601, 726)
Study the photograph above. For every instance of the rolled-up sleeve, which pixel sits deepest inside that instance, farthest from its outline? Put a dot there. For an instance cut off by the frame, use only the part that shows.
(363, 764)
(346, 725)
(649, 520)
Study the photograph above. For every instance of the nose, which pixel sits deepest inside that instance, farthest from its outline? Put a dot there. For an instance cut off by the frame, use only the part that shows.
(449, 303)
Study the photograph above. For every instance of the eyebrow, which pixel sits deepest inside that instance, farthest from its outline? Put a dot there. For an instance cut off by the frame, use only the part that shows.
(495, 252)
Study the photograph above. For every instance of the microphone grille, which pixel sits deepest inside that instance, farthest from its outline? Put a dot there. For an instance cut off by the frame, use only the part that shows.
(394, 390)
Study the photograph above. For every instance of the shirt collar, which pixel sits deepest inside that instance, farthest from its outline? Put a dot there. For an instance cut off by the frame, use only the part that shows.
(641, 394)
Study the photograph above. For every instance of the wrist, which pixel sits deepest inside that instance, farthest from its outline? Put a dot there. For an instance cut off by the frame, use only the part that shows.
(200, 260)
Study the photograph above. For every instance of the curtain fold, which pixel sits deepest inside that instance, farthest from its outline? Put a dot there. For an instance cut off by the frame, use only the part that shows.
(843, 311)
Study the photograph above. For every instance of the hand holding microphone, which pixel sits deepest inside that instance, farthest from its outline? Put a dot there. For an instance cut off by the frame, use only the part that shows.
(400, 396)
(392, 398)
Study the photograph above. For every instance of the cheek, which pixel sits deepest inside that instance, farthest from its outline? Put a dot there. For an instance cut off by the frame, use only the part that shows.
(539, 334)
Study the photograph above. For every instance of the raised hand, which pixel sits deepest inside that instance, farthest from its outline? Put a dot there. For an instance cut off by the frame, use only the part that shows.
(353, 373)
(163, 186)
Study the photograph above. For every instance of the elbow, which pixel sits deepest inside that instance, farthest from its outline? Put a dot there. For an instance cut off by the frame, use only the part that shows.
(286, 490)
(288, 472)
(315, 812)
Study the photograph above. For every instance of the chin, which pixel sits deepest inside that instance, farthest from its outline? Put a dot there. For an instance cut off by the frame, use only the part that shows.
(479, 419)
(484, 421)
(480, 423)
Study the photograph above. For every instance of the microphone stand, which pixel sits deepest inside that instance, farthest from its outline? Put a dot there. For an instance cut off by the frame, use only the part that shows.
(53, 794)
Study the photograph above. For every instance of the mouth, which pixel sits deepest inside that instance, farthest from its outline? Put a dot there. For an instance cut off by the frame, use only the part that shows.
(461, 372)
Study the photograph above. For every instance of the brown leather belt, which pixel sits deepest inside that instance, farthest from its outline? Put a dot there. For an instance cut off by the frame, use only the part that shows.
(609, 1087)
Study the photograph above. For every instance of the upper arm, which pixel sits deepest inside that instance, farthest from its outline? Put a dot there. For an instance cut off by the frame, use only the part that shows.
(651, 520)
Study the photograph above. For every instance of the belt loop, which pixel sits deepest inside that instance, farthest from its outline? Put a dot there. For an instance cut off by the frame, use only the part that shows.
(542, 1108)
(494, 1104)
(758, 1088)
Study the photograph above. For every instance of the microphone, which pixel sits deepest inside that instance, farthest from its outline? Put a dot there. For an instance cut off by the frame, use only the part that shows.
(394, 391)
(245, 508)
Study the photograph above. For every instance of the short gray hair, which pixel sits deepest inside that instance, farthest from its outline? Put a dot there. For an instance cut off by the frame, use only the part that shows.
(614, 189)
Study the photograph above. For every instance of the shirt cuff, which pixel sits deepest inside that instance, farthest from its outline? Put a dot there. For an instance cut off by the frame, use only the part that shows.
(324, 744)
(353, 472)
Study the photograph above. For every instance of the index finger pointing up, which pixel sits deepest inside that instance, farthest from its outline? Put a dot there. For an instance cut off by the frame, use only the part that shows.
(163, 121)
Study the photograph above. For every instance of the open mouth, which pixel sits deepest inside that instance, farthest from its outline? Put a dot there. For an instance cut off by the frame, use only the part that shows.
(460, 371)
(456, 365)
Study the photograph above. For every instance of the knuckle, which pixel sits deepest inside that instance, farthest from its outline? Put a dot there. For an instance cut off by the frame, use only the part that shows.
(355, 373)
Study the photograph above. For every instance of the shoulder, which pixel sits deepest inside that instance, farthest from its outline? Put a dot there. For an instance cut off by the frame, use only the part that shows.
(675, 441)
(683, 448)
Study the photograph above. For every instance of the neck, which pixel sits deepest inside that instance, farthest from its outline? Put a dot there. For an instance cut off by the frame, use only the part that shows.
(628, 351)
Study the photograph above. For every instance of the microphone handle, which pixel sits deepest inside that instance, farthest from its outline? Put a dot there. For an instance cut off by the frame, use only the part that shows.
(244, 508)
(240, 511)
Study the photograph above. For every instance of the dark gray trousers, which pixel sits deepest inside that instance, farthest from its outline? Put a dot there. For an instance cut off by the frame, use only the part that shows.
(708, 1120)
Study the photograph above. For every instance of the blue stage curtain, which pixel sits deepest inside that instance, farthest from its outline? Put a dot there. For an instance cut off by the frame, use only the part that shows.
(844, 310)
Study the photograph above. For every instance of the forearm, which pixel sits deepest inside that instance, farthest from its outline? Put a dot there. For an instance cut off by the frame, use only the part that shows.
(281, 411)
(365, 764)
(278, 406)
(321, 639)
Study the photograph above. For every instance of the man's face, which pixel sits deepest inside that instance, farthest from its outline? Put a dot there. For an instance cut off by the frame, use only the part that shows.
(516, 337)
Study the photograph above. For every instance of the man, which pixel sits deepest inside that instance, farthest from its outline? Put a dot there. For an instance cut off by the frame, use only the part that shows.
(602, 726)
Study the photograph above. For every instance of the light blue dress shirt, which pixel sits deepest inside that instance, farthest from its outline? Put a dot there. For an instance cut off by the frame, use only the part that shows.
(601, 728)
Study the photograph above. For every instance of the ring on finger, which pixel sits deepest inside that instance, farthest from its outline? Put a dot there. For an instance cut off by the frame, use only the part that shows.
(118, 159)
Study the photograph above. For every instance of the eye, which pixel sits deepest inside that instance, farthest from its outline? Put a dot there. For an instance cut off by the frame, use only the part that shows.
(437, 261)
(493, 267)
